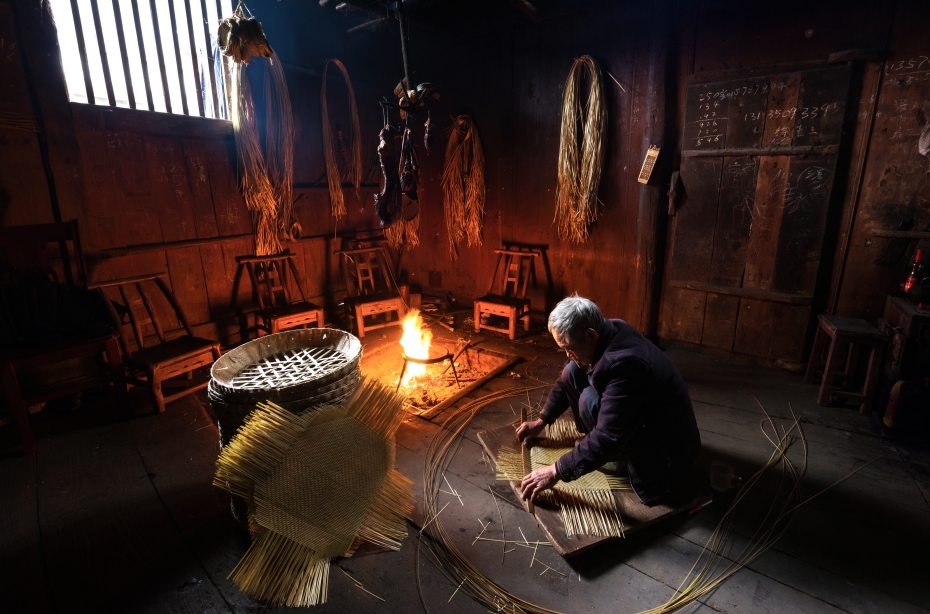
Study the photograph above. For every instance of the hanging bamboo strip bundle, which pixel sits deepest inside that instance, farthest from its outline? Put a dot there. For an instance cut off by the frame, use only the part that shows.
(403, 232)
(257, 190)
(463, 186)
(355, 168)
(279, 142)
(580, 164)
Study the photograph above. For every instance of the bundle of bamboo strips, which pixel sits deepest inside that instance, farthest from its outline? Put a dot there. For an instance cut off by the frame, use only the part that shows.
(463, 185)
(316, 483)
(266, 177)
(355, 168)
(580, 165)
(403, 232)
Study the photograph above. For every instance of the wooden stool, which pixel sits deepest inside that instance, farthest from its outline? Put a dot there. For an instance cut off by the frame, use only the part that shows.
(848, 336)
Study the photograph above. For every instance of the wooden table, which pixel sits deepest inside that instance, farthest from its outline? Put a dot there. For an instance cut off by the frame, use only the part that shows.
(635, 515)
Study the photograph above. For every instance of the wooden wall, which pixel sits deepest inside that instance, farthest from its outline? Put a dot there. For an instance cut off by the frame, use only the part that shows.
(511, 81)
(137, 177)
(879, 175)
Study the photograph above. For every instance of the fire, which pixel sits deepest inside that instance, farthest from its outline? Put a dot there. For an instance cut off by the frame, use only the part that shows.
(415, 342)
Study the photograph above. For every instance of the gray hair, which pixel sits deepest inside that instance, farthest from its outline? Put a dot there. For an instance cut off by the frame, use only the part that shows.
(572, 316)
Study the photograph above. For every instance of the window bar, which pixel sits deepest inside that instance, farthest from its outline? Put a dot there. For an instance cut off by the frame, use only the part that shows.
(225, 68)
(207, 41)
(161, 56)
(193, 43)
(118, 17)
(145, 66)
(88, 85)
(103, 53)
(177, 55)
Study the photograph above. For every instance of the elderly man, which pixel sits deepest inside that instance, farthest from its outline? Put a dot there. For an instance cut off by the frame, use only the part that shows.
(626, 397)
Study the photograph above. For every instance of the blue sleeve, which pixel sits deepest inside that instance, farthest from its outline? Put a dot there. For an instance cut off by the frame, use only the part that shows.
(623, 402)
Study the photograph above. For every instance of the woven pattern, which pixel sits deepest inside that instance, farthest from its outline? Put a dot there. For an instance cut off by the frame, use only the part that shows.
(587, 505)
(319, 503)
(290, 368)
(315, 483)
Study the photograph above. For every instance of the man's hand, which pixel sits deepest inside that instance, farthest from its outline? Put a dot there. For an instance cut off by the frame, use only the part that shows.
(538, 481)
(529, 430)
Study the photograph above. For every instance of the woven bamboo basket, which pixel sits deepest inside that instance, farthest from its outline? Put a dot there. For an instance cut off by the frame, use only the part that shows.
(286, 365)
(296, 369)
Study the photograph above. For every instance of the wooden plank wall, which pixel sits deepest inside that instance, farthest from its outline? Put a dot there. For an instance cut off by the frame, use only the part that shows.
(512, 84)
(895, 183)
(726, 39)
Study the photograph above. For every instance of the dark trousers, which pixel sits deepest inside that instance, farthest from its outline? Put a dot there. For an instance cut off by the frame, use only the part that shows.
(652, 469)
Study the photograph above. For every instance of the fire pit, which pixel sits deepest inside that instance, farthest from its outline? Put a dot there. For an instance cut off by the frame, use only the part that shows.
(435, 354)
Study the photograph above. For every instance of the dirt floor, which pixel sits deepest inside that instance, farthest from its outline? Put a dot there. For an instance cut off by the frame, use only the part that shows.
(119, 515)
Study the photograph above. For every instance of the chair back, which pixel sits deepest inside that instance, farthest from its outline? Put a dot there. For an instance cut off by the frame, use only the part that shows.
(138, 303)
(367, 271)
(512, 272)
(274, 279)
(51, 250)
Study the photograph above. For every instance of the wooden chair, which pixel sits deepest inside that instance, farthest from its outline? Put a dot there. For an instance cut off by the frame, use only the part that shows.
(45, 322)
(509, 278)
(848, 337)
(371, 286)
(272, 291)
(151, 365)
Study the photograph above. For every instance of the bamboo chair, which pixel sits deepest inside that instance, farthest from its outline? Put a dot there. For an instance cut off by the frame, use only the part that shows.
(45, 322)
(277, 311)
(506, 296)
(151, 365)
(371, 287)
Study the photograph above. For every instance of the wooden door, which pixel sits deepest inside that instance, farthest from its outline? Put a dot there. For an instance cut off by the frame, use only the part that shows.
(758, 168)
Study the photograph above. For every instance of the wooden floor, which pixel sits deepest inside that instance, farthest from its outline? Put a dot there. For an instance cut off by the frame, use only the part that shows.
(119, 515)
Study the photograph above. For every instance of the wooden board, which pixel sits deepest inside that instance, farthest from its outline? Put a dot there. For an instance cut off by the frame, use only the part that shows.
(635, 515)
(758, 168)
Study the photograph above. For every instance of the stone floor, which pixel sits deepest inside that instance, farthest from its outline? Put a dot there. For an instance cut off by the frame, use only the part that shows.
(119, 515)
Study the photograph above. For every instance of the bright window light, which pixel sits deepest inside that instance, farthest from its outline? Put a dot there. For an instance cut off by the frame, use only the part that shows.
(159, 67)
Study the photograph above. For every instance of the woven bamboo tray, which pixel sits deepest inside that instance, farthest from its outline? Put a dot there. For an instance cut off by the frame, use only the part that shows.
(286, 366)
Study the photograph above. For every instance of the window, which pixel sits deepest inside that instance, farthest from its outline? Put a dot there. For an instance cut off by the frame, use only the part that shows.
(156, 55)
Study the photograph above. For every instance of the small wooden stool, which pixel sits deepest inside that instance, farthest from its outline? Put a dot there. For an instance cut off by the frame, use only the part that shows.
(848, 336)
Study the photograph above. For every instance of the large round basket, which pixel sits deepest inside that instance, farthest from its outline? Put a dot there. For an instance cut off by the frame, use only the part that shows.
(286, 366)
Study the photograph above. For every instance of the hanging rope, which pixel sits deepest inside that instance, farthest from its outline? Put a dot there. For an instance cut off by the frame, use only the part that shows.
(355, 169)
(463, 186)
(580, 165)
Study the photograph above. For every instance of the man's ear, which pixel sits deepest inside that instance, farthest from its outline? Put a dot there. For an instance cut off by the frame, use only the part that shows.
(592, 335)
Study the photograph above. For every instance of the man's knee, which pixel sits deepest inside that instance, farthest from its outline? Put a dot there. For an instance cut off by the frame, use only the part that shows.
(574, 376)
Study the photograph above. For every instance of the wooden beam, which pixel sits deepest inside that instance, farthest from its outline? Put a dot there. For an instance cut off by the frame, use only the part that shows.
(145, 65)
(153, 11)
(104, 60)
(82, 51)
(768, 151)
(900, 234)
(121, 37)
(763, 295)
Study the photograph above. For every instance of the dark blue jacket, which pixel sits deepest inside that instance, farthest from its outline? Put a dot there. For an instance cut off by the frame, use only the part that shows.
(644, 414)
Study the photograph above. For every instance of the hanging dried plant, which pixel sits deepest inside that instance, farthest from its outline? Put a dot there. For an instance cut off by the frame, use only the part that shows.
(580, 164)
(355, 168)
(463, 185)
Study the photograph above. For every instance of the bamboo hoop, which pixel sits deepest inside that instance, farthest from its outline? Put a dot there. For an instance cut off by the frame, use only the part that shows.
(355, 166)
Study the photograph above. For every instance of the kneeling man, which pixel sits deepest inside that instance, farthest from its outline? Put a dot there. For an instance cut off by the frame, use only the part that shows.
(626, 397)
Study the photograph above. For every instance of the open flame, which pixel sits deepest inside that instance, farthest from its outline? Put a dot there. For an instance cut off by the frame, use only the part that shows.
(415, 342)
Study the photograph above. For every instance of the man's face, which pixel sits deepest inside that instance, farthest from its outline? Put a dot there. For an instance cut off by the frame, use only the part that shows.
(583, 350)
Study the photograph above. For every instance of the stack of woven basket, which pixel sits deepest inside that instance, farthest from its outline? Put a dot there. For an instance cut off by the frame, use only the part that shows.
(296, 370)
